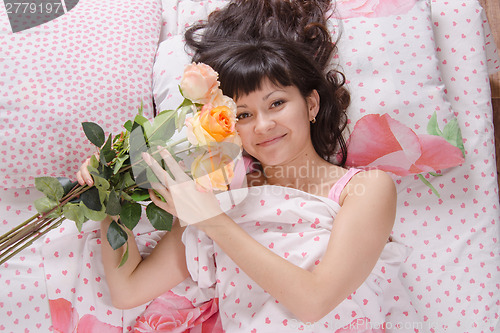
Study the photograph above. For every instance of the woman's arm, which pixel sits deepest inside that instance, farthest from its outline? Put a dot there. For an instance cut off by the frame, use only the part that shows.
(359, 233)
(140, 280)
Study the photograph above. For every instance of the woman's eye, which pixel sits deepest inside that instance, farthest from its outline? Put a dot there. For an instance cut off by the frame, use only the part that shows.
(242, 115)
(277, 103)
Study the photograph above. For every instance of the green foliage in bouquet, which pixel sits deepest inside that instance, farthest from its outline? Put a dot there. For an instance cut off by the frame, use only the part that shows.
(121, 176)
(116, 191)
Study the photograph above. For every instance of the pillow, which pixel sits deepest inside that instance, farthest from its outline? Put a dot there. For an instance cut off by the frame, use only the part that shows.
(388, 56)
(93, 63)
(386, 51)
(180, 14)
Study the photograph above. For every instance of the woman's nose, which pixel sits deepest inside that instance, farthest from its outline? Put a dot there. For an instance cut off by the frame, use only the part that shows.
(264, 123)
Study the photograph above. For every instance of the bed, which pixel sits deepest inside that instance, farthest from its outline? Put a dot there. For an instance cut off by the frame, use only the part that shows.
(416, 65)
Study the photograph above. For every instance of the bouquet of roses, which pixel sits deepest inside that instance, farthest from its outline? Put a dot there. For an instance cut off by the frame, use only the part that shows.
(209, 146)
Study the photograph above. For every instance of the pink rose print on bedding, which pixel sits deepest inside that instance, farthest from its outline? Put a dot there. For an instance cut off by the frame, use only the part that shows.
(372, 8)
(176, 314)
(379, 141)
(65, 319)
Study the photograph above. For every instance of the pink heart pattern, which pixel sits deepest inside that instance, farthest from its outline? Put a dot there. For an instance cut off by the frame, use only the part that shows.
(69, 70)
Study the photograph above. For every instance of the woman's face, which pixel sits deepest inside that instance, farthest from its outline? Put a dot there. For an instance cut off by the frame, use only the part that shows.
(273, 123)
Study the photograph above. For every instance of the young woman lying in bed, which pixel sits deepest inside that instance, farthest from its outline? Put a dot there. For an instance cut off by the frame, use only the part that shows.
(278, 255)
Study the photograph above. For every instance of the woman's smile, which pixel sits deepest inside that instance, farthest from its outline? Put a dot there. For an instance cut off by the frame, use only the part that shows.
(271, 141)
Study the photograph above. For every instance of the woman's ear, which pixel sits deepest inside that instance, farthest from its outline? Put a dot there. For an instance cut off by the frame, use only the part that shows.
(313, 104)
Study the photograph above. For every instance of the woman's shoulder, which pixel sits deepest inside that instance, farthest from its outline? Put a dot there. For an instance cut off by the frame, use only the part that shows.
(368, 184)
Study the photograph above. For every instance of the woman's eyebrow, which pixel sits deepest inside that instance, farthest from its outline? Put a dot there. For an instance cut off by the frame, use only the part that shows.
(272, 92)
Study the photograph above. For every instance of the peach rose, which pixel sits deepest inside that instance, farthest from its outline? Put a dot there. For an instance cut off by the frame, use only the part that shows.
(199, 83)
(211, 124)
(214, 169)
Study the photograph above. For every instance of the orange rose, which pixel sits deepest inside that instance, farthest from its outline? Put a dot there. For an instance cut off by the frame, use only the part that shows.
(199, 83)
(211, 124)
(214, 169)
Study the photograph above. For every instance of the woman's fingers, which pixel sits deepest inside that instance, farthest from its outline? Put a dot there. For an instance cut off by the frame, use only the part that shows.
(83, 175)
(173, 165)
(162, 175)
(157, 200)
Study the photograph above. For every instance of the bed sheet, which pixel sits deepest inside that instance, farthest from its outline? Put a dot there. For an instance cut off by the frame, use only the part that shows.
(454, 270)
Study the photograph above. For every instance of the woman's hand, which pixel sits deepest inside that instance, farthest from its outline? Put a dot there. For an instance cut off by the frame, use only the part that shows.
(183, 198)
(83, 175)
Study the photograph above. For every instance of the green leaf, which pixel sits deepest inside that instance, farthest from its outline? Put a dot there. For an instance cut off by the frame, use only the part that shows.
(113, 207)
(160, 219)
(426, 182)
(92, 214)
(433, 127)
(67, 184)
(94, 162)
(128, 125)
(74, 213)
(128, 180)
(453, 134)
(107, 152)
(119, 163)
(117, 237)
(50, 187)
(45, 204)
(94, 133)
(138, 145)
(102, 170)
(161, 129)
(185, 102)
(181, 116)
(126, 197)
(140, 119)
(124, 257)
(130, 214)
(140, 195)
(141, 109)
(91, 199)
(99, 181)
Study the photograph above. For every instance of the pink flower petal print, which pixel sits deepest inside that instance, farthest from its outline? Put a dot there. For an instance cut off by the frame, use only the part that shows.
(437, 153)
(379, 140)
(382, 142)
(64, 316)
(373, 8)
(90, 324)
(172, 313)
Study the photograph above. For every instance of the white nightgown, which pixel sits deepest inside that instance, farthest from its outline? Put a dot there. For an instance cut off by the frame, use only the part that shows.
(296, 226)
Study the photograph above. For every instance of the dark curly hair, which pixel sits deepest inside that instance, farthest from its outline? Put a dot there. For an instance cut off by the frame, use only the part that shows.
(286, 42)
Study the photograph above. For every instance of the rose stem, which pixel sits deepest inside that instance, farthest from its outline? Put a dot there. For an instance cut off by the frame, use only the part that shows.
(13, 230)
(30, 241)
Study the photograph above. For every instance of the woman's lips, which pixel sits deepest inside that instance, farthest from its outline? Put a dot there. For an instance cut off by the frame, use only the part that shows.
(270, 141)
